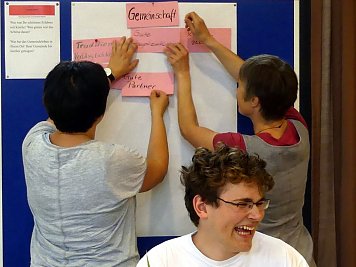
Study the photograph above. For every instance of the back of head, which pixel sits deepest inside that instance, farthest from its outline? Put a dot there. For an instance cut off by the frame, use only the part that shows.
(273, 81)
(210, 171)
(75, 95)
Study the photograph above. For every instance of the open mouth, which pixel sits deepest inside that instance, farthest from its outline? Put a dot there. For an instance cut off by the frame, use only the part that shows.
(244, 230)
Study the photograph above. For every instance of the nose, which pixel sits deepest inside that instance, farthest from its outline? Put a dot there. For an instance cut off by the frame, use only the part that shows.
(256, 214)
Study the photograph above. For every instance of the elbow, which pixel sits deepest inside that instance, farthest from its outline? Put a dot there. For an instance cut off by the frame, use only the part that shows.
(183, 131)
(186, 131)
(188, 134)
(155, 174)
(161, 174)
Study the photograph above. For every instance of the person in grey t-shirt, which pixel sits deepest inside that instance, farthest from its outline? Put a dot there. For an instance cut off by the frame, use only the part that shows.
(82, 191)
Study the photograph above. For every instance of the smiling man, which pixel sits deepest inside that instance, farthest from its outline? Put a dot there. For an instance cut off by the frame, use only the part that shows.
(224, 196)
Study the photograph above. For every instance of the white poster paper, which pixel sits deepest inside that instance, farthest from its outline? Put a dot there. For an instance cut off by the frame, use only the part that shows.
(32, 34)
(161, 211)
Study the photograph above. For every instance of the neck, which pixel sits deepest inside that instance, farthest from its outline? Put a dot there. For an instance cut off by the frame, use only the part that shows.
(74, 139)
(210, 247)
(70, 139)
(264, 126)
(84, 135)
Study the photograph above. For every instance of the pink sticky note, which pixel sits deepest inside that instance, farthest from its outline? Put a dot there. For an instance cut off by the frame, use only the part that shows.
(142, 83)
(95, 50)
(152, 14)
(223, 35)
(154, 39)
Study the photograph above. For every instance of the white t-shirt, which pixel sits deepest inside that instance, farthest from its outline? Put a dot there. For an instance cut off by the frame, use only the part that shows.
(266, 251)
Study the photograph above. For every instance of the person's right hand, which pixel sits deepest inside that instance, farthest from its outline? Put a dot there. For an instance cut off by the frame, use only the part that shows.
(178, 57)
(158, 102)
(121, 60)
(197, 27)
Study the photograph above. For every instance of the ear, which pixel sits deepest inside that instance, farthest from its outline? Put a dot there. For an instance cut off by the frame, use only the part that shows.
(200, 207)
(255, 102)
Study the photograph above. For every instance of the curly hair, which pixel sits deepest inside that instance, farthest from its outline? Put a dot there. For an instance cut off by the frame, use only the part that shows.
(210, 171)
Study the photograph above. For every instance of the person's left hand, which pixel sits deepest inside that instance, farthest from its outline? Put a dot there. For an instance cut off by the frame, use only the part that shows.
(121, 61)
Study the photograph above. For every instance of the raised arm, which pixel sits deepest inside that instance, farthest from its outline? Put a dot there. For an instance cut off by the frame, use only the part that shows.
(178, 57)
(196, 25)
(157, 152)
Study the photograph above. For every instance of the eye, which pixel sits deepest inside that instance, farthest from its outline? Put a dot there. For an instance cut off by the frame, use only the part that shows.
(263, 204)
(260, 203)
(243, 204)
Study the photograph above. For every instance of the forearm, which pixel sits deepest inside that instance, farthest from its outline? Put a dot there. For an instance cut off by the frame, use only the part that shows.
(229, 59)
(157, 154)
(190, 129)
(158, 147)
(187, 117)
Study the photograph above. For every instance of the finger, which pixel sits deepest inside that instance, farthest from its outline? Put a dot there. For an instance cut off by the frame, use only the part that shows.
(194, 16)
(167, 51)
(181, 47)
(188, 24)
(187, 27)
(114, 45)
(153, 93)
(162, 93)
(132, 49)
(157, 93)
(170, 46)
(127, 44)
(133, 64)
(175, 48)
(188, 16)
(122, 41)
(173, 58)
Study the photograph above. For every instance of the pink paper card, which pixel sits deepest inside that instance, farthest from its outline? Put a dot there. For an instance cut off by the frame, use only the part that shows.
(152, 14)
(223, 35)
(142, 83)
(95, 50)
(153, 40)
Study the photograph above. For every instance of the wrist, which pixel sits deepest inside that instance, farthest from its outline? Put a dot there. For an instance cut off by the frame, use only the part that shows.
(156, 114)
(182, 74)
(210, 42)
(110, 74)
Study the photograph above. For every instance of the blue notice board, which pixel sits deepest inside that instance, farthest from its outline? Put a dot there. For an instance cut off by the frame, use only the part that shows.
(263, 26)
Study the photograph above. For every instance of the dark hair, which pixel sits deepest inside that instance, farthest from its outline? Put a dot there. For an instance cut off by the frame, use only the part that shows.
(273, 81)
(75, 95)
(211, 171)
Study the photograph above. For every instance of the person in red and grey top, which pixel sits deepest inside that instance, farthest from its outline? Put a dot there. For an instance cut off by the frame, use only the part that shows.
(267, 90)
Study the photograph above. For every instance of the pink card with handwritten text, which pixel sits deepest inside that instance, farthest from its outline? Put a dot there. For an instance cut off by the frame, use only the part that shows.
(142, 83)
(152, 14)
(223, 35)
(154, 39)
(95, 50)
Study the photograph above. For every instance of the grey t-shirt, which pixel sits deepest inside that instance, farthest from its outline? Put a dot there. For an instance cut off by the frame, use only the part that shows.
(82, 200)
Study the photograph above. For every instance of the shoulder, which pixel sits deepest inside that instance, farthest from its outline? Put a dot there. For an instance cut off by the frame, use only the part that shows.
(293, 114)
(165, 253)
(39, 129)
(230, 139)
(274, 248)
(122, 155)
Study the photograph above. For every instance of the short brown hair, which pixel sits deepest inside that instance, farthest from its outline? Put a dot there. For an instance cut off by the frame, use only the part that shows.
(273, 81)
(210, 171)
